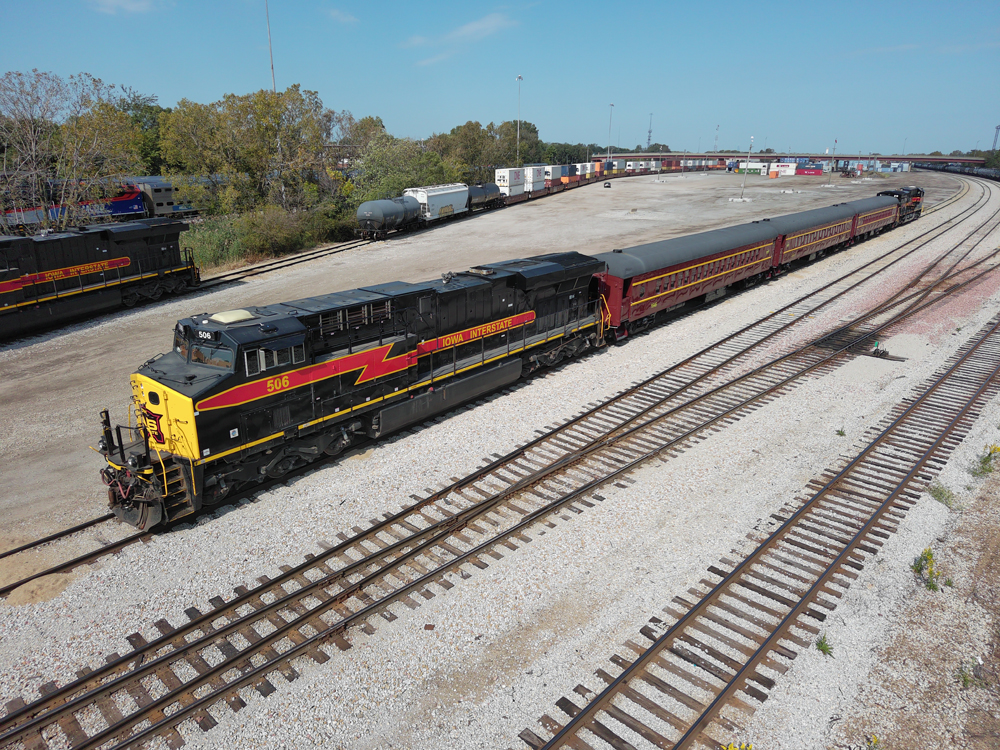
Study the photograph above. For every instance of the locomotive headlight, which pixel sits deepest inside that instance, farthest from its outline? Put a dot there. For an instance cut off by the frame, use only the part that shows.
(133, 461)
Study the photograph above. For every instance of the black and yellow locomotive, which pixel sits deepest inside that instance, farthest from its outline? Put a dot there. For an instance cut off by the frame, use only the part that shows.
(249, 394)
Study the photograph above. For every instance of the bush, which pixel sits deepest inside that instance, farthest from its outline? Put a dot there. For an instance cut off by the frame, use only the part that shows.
(228, 241)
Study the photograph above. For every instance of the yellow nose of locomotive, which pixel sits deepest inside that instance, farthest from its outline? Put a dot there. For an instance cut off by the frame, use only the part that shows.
(168, 417)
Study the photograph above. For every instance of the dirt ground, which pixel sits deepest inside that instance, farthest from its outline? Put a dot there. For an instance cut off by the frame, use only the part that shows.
(53, 386)
(937, 683)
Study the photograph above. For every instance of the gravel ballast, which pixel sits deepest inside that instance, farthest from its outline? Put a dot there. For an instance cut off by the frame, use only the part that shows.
(510, 640)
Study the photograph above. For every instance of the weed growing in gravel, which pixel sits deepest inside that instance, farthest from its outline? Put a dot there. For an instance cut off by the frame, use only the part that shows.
(966, 676)
(942, 494)
(873, 743)
(948, 582)
(925, 567)
(983, 464)
(824, 646)
(841, 432)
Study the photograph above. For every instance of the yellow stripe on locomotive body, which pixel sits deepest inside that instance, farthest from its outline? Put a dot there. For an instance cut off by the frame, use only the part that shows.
(170, 421)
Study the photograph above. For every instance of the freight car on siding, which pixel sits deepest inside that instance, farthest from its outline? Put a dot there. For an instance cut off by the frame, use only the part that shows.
(249, 394)
(51, 279)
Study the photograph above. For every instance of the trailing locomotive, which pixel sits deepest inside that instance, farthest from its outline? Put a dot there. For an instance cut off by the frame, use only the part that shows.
(254, 393)
(49, 279)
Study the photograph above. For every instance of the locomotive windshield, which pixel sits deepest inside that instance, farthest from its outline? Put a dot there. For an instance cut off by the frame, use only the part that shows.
(203, 352)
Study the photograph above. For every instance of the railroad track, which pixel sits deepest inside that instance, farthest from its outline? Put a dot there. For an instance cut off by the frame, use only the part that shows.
(244, 643)
(230, 277)
(692, 680)
(754, 335)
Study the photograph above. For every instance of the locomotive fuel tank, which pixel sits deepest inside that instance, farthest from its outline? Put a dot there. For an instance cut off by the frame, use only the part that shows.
(384, 215)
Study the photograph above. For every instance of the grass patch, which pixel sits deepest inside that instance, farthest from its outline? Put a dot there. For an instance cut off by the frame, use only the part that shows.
(983, 464)
(841, 432)
(942, 494)
(230, 241)
(966, 676)
(824, 646)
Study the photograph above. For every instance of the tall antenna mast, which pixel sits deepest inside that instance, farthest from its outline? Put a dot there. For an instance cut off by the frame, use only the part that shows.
(649, 135)
(267, 15)
(716, 140)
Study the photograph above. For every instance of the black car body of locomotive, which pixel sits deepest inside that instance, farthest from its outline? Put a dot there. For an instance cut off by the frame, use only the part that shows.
(254, 393)
(50, 279)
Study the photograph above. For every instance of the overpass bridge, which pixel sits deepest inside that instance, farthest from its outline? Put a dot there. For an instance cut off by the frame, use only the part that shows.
(972, 161)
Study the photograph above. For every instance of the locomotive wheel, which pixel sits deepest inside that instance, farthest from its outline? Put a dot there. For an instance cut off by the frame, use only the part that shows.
(129, 299)
(281, 468)
(141, 515)
(156, 293)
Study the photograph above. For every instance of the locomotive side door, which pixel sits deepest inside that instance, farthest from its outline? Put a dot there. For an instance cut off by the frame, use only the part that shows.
(11, 287)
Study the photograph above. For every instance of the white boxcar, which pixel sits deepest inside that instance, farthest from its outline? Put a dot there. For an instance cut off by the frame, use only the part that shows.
(555, 172)
(534, 174)
(509, 178)
(512, 189)
(438, 201)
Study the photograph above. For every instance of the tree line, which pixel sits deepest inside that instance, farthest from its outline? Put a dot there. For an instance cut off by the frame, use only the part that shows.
(69, 141)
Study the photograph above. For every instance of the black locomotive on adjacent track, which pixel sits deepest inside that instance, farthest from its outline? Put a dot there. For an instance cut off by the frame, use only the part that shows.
(254, 393)
(51, 279)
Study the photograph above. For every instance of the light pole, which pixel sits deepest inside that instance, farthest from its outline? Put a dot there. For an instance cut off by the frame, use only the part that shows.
(904, 144)
(610, 117)
(518, 158)
(747, 169)
(267, 15)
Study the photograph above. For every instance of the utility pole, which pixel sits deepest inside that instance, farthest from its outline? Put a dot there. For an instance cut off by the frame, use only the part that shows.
(716, 140)
(267, 15)
(518, 159)
(995, 138)
(649, 134)
(747, 169)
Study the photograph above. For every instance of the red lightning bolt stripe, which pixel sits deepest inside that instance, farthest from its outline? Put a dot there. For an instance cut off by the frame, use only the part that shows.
(373, 363)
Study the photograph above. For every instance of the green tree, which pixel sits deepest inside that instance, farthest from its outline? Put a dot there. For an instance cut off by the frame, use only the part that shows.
(66, 143)
(247, 151)
(390, 165)
(145, 114)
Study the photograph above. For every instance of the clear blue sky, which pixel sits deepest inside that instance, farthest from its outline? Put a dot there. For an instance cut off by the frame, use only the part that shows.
(798, 74)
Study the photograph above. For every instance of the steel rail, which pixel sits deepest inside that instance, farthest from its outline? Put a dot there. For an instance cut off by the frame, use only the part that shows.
(447, 527)
(588, 715)
(236, 603)
(312, 642)
(786, 623)
(57, 535)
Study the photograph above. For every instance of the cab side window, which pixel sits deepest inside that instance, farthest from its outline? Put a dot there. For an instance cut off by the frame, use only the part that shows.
(260, 360)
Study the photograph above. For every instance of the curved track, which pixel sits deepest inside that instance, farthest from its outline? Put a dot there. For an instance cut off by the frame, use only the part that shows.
(739, 343)
(730, 639)
(244, 643)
